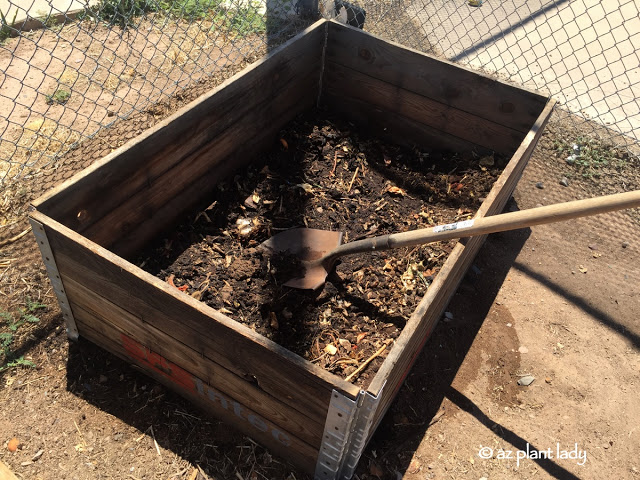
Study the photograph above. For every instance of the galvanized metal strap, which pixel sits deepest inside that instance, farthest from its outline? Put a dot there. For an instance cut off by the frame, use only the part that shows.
(54, 276)
(345, 434)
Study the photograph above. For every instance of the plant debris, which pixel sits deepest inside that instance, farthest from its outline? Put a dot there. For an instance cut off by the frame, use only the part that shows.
(324, 174)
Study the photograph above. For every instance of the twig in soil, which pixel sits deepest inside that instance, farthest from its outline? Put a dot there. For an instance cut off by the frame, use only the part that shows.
(346, 360)
(353, 179)
(15, 238)
(154, 441)
(319, 358)
(368, 361)
(34, 380)
(335, 164)
(84, 444)
(188, 415)
(9, 224)
(204, 475)
(436, 418)
(202, 214)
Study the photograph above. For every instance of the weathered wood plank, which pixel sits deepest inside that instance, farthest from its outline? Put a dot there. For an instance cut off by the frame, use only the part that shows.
(6, 473)
(216, 404)
(152, 210)
(438, 79)
(353, 84)
(396, 366)
(90, 195)
(280, 373)
(395, 128)
(105, 313)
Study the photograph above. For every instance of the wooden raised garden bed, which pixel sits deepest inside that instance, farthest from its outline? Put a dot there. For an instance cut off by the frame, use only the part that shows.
(91, 227)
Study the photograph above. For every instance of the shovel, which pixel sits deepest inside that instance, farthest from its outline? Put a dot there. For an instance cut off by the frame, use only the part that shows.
(318, 250)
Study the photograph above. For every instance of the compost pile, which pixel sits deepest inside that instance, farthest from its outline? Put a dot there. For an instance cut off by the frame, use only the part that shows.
(323, 173)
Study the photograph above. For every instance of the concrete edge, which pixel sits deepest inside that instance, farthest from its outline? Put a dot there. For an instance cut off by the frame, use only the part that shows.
(35, 23)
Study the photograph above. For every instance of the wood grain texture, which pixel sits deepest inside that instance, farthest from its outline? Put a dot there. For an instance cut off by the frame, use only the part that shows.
(150, 211)
(109, 319)
(278, 372)
(396, 366)
(450, 120)
(466, 90)
(183, 140)
(237, 415)
(397, 129)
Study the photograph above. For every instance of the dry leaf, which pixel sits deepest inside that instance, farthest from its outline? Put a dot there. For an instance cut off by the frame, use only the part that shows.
(331, 349)
(360, 337)
(306, 187)
(273, 320)
(226, 292)
(396, 191)
(249, 202)
(344, 343)
(246, 226)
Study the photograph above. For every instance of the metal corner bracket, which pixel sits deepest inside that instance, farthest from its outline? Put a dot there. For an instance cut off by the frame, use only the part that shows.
(345, 434)
(54, 276)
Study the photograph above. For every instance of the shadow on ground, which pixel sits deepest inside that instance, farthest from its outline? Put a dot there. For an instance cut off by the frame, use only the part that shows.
(418, 404)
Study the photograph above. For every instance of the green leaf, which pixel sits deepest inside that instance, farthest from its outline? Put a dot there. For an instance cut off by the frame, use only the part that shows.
(5, 339)
(33, 305)
(30, 318)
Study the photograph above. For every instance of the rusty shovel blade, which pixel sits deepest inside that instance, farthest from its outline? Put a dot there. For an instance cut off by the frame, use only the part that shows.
(309, 245)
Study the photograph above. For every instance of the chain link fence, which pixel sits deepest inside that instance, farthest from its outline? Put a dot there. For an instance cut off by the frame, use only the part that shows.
(585, 53)
(68, 69)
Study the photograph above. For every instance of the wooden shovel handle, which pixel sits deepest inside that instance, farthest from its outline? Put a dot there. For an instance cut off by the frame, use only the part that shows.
(492, 224)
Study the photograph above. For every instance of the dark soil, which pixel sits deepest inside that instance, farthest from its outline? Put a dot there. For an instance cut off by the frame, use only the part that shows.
(324, 174)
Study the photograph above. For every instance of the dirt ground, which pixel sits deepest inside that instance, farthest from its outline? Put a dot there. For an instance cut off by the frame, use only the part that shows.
(557, 302)
(63, 83)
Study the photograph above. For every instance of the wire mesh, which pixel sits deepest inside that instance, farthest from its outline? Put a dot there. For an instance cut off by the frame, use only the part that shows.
(584, 53)
(66, 74)
(68, 69)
